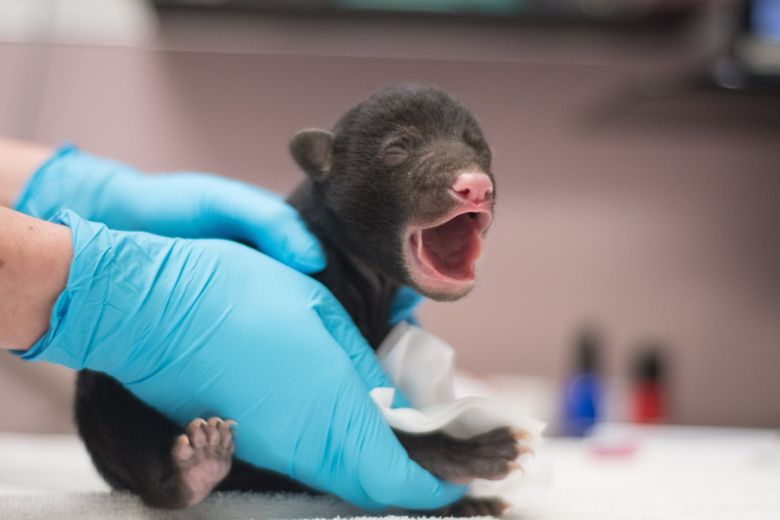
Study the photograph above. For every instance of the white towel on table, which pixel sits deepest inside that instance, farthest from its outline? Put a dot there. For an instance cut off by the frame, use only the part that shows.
(422, 366)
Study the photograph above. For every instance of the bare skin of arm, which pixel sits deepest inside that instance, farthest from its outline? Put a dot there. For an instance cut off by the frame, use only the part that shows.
(35, 259)
(35, 256)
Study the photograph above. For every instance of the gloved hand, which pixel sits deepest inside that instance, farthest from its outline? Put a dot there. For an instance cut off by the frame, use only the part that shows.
(210, 327)
(189, 205)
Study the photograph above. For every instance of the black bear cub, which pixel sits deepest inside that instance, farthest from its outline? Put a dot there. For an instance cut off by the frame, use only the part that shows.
(399, 193)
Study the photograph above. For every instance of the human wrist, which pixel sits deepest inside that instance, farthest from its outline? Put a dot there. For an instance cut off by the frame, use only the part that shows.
(81, 324)
(35, 258)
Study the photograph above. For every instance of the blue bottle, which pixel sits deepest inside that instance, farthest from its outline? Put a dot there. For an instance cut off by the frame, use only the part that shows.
(582, 394)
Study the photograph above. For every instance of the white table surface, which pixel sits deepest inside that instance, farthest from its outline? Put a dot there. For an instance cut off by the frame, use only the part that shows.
(673, 473)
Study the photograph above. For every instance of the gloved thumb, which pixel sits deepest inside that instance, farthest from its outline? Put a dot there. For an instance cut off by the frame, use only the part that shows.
(393, 478)
(266, 222)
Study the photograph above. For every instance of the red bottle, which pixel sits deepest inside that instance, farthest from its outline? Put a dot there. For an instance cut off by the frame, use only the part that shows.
(648, 392)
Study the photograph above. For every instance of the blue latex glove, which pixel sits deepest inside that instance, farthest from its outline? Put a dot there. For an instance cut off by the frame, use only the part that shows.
(404, 304)
(210, 327)
(189, 205)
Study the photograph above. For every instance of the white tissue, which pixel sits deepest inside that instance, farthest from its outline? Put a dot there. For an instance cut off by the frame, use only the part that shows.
(422, 368)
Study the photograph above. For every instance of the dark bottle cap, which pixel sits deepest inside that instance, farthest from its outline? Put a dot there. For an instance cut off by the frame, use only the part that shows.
(648, 364)
(588, 352)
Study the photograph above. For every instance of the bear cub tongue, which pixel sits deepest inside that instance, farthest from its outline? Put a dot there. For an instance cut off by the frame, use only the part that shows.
(452, 248)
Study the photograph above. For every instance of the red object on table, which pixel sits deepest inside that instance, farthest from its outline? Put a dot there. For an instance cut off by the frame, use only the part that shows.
(648, 407)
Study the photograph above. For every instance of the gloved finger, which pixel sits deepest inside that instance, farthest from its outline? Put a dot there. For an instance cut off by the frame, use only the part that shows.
(404, 304)
(406, 484)
(274, 227)
(340, 326)
(363, 461)
(289, 241)
(392, 478)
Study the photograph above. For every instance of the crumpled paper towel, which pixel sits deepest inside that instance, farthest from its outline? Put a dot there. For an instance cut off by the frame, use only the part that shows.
(422, 366)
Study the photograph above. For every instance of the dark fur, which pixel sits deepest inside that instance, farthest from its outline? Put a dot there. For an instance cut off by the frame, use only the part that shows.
(388, 163)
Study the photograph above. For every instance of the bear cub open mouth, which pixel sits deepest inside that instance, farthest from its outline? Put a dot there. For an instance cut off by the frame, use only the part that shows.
(447, 251)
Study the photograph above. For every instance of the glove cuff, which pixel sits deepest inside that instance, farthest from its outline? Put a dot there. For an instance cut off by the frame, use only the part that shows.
(72, 321)
(31, 200)
(71, 179)
(99, 320)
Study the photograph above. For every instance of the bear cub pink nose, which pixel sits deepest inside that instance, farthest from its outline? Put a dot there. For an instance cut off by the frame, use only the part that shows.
(473, 187)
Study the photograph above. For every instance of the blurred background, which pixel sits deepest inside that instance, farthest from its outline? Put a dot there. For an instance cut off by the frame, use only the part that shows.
(637, 156)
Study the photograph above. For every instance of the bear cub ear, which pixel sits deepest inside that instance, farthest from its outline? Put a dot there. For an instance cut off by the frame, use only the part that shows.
(312, 149)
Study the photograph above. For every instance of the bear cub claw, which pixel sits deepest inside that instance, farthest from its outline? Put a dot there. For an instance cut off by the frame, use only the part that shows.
(491, 456)
(472, 506)
(202, 457)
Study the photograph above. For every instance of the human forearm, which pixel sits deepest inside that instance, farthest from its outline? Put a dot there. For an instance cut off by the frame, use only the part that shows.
(35, 259)
(18, 161)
